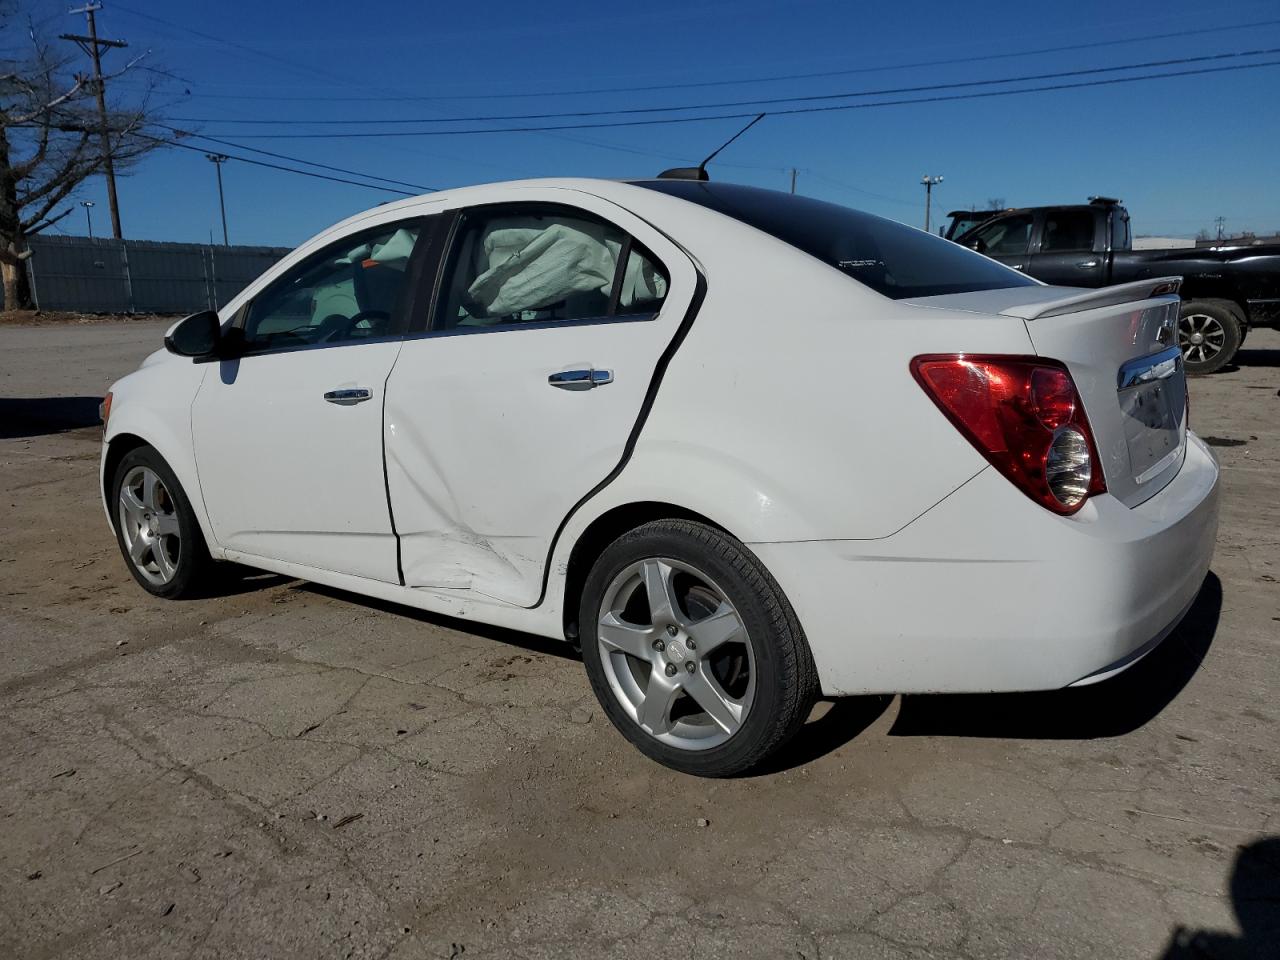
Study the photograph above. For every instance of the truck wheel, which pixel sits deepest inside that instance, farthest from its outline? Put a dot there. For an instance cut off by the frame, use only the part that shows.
(1209, 333)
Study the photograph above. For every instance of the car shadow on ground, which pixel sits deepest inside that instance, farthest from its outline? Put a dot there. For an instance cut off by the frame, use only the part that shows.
(1255, 898)
(515, 638)
(1111, 708)
(831, 725)
(1247, 357)
(36, 416)
(232, 580)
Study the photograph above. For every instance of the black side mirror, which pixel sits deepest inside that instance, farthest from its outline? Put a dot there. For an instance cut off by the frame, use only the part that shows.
(198, 336)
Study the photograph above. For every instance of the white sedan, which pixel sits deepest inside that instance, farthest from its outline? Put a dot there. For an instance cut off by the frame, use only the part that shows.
(745, 449)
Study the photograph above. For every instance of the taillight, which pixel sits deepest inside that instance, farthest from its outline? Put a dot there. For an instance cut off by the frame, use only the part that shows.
(104, 410)
(1025, 416)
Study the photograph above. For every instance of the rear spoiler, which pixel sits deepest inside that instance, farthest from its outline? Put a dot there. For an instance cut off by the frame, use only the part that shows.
(1093, 299)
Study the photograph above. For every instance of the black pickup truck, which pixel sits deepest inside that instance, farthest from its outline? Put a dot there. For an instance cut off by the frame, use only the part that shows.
(1225, 290)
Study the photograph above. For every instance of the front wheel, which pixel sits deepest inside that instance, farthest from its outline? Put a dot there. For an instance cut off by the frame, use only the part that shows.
(1209, 333)
(692, 649)
(156, 528)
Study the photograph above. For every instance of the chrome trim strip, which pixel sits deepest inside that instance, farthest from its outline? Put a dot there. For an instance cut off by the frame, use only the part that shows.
(1158, 366)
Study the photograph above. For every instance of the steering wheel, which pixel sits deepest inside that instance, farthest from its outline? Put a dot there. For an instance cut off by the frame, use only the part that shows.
(343, 329)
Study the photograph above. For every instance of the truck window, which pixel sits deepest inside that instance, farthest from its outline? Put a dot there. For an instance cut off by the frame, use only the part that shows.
(1067, 230)
(1003, 237)
(1120, 239)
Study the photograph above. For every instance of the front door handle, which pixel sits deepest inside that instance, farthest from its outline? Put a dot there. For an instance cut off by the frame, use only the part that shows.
(580, 379)
(349, 398)
(1087, 264)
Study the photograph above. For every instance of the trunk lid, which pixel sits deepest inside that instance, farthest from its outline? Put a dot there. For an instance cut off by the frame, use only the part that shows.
(1120, 345)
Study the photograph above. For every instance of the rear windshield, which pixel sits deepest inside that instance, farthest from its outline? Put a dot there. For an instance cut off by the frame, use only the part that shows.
(892, 259)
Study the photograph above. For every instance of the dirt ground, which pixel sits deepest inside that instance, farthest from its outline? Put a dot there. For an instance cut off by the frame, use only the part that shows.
(289, 771)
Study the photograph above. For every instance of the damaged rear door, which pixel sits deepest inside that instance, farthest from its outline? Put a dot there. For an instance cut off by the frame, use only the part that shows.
(517, 396)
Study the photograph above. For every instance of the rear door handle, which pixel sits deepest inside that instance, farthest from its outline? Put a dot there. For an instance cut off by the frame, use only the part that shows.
(1087, 264)
(580, 379)
(350, 397)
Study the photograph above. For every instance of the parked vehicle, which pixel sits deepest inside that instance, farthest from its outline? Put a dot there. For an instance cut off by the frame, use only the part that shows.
(745, 448)
(962, 221)
(1225, 290)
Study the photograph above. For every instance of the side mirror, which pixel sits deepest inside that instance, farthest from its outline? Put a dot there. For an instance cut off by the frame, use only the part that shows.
(198, 336)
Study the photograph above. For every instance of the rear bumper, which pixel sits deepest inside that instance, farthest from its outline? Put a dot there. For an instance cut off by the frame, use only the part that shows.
(990, 592)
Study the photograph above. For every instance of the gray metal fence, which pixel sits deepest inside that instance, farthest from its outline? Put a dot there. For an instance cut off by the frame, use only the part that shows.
(140, 276)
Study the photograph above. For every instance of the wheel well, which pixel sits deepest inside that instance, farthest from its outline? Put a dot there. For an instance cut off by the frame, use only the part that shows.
(120, 445)
(601, 532)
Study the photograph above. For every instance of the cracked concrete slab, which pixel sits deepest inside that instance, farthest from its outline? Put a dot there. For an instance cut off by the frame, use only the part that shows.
(290, 771)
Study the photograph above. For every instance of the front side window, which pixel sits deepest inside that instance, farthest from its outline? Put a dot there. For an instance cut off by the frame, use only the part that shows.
(347, 292)
(1003, 237)
(891, 258)
(543, 264)
(1067, 230)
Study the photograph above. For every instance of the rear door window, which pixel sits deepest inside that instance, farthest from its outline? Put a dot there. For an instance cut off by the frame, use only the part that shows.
(1067, 230)
(1120, 239)
(541, 263)
(891, 258)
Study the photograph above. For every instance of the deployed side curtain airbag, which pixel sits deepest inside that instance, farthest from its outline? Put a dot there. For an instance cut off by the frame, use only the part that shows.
(528, 264)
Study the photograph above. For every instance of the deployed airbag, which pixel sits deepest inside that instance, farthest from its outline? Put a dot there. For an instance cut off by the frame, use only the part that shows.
(527, 264)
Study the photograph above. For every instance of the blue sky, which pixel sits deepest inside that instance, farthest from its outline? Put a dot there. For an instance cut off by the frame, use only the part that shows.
(1180, 151)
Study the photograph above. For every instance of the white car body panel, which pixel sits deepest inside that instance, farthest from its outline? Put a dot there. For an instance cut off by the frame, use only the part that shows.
(787, 416)
(288, 476)
(485, 458)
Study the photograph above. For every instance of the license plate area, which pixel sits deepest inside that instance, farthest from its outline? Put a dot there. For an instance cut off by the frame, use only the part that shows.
(1153, 407)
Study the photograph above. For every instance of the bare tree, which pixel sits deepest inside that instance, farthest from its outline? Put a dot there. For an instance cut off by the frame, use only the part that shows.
(1203, 234)
(51, 138)
(996, 203)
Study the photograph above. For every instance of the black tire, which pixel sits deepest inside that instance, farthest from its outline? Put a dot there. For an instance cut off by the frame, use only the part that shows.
(785, 680)
(1220, 326)
(187, 554)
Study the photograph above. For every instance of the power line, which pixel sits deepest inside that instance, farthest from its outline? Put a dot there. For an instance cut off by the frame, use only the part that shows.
(275, 166)
(1114, 81)
(284, 156)
(810, 98)
(709, 83)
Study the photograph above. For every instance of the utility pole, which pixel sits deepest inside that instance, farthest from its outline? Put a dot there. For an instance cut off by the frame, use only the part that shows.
(88, 206)
(218, 160)
(793, 179)
(92, 46)
(929, 183)
(1220, 221)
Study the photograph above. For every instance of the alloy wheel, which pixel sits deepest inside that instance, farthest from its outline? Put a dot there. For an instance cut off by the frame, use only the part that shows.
(149, 525)
(676, 653)
(1201, 337)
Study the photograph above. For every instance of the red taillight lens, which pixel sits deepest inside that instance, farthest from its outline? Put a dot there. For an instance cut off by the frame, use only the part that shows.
(1025, 416)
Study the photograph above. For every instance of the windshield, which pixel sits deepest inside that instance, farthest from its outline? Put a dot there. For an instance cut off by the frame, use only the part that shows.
(891, 258)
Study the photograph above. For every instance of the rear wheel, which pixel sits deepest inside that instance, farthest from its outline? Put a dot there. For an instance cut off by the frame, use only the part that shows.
(692, 650)
(1209, 333)
(156, 528)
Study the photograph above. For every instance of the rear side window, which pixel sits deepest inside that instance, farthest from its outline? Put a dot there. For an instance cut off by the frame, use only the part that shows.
(524, 263)
(1067, 230)
(1120, 239)
(891, 258)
